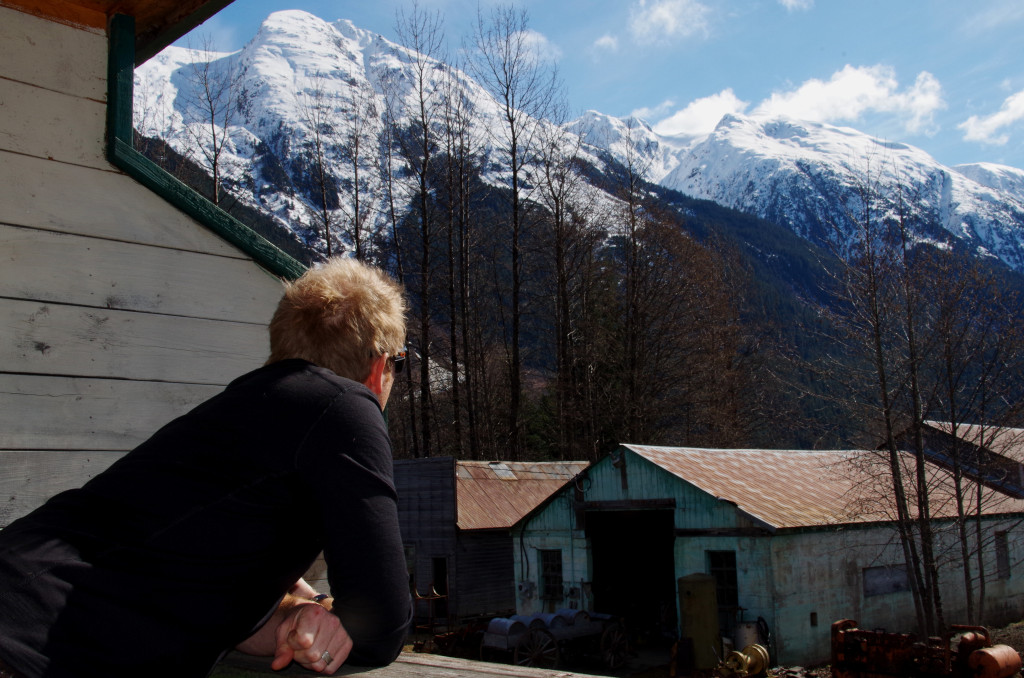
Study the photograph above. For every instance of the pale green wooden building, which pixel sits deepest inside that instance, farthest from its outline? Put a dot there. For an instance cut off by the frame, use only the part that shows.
(796, 539)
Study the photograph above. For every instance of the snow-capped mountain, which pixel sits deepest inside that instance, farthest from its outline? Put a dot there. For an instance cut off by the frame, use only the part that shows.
(798, 174)
(807, 176)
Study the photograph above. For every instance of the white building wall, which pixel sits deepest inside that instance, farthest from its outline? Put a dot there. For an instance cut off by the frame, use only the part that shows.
(117, 312)
(819, 579)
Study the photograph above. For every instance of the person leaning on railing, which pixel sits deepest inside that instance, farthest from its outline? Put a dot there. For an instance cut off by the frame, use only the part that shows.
(195, 542)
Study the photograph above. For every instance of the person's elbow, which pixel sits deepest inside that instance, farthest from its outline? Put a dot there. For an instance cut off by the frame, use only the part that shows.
(383, 649)
(380, 652)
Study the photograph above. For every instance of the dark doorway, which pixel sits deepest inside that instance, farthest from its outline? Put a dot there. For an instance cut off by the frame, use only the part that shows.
(440, 586)
(634, 569)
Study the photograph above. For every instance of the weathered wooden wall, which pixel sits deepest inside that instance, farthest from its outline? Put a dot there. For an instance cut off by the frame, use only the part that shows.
(426, 514)
(485, 580)
(117, 312)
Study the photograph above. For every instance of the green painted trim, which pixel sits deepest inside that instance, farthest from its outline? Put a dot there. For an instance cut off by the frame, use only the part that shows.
(120, 152)
(120, 78)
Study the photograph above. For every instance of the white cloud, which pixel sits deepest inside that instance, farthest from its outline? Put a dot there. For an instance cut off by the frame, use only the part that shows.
(540, 47)
(995, 15)
(664, 20)
(607, 43)
(648, 114)
(795, 5)
(854, 91)
(701, 116)
(987, 129)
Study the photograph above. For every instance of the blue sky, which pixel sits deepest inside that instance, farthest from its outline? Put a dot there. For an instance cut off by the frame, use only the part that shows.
(944, 75)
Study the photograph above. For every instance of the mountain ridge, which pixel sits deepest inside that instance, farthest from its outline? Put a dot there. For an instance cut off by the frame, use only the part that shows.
(803, 175)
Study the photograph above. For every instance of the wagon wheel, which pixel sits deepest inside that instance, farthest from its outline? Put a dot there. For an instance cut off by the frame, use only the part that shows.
(537, 648)
(614, 646)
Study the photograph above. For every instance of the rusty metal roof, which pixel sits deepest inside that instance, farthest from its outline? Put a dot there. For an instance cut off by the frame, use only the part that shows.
(800, 488)
(1008, 442)
(496, 495)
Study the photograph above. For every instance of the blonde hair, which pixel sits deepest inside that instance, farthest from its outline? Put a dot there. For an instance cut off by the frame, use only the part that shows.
(339, 315)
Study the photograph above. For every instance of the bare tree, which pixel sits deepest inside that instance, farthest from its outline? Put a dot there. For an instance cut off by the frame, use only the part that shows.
(422, 33)
(316, 111)
(924, 319)
(395, 199)
(358, 130)
(523, 83)
(214, 101)
(561, 187)
(868, 290)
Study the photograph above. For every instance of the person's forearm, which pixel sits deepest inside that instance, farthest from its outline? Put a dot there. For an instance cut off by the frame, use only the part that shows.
(263, 643)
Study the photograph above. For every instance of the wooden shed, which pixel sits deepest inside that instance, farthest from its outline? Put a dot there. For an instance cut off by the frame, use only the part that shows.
(125, 299)
(788, 541)
(456, 518)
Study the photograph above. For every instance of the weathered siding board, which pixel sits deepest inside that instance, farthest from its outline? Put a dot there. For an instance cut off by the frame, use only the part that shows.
(484, 583)
(104, 273)
(118, 313)
(46, 338)
(78, 68)
(52, 125)
(66, 198)
(426, 514)
(30, 477)
(59, 413)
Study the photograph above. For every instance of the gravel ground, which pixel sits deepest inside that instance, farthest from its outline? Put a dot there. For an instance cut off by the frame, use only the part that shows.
(1012, 635)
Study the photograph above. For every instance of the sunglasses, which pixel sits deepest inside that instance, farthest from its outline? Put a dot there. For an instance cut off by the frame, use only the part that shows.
(398, 359)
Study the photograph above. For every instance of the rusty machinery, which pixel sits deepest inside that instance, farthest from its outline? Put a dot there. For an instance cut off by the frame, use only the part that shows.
(857, 653)
(751, 661)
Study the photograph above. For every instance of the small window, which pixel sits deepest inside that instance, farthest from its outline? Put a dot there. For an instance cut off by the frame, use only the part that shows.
(1002, 556)
(722, 566)
(551, 574)
(885, 579)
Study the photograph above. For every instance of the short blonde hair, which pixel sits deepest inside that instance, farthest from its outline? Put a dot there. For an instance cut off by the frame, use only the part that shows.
(339, 315)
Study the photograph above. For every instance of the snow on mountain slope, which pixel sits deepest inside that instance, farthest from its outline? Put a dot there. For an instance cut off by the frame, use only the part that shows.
(997, 177)
(803, 175)
(807, 176)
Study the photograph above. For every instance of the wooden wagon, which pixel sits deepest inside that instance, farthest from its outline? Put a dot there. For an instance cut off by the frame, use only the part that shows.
(543, 640)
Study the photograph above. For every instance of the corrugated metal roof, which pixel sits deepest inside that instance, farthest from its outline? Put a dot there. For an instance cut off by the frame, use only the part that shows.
(496, 495)
(1008, 442)
(799, 488)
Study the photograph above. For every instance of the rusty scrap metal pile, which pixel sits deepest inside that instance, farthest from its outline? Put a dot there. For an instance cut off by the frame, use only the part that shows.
(857, 653)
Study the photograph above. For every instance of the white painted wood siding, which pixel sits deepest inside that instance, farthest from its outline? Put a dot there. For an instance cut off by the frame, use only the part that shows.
(117, 312)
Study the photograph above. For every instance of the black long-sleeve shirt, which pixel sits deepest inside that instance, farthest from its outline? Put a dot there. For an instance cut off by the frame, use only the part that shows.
(185, 546)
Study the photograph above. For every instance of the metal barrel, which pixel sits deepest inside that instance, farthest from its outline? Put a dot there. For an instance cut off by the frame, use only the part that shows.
(503, 626)
(533, 621)
(552, 620)
(573, 617)
(998, 661)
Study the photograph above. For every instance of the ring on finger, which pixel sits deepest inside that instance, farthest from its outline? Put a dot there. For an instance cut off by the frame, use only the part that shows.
(326, 657)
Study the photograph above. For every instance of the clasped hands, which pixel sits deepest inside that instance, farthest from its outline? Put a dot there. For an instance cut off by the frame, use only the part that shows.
(312, 636)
